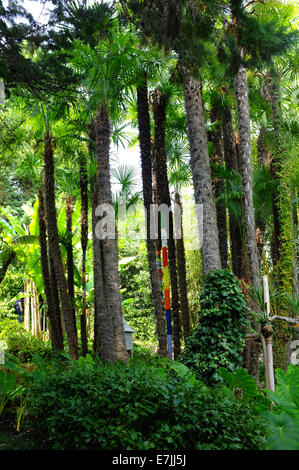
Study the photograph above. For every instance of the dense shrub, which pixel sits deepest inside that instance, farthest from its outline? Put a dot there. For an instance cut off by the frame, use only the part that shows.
(218, 338)
(20, 343)
(99, 406)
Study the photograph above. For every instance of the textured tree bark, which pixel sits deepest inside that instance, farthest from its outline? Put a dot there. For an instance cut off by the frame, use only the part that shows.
(263, 157)
(215, 138)
(201, 171)
(55, 248)
(84, 241)
(69, 207)
(55, 294)
(271, 93)
(160, 162)
(103, 326)
(55, 324)
(231, 163)
(109, 245)
(250, 357)
(181, 260)
(146, 167)
(241, 94)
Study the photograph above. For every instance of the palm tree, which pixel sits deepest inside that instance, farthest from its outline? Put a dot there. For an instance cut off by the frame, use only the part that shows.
(53, 309)
(84, 242)
(201, 170)
(215, 137)
(179, 176)
(159, 105)
(241, 94)
(110, 251)
(172, 24)
(231, 164)
(54, 248)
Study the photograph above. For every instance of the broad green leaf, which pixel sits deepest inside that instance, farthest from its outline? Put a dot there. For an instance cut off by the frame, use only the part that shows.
(7, 383)
(284, 431)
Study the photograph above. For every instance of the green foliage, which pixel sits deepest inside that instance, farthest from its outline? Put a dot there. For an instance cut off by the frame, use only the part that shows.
(240, 379)
(91, 405)
(284, 420)
(136, 293)
(21, 343)
(9, 289)
(217, 339)
(9, 389)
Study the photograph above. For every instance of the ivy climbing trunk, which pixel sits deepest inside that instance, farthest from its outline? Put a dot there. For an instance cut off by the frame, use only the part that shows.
(147, 184)
(54, 247)
(283, 232)
(201, 171)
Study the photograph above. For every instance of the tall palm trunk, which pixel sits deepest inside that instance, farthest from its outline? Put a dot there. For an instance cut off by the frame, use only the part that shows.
(271, 93)
(69, 207)
(231, 163)
(181, 261)
(216, 138)
(55, 322)
(241, 94)
(84, 241)
(146, 166)
(103, 326)
(159, 158)
(54, 247)
(263, 159)
(55, 293)
(201, 171)
(109, 245)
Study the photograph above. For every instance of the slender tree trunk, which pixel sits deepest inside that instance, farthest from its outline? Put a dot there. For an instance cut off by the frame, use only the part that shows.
(215, 138)
(84, 241)
(181, 259)
(231, 163)
(160, 161)
(271, 93)
(69, 207)
(201, 171)
(55, 324)
(55, 294)
(146, 166)
(55, 248)
(110, 251)
(241, 94)
(263, 159)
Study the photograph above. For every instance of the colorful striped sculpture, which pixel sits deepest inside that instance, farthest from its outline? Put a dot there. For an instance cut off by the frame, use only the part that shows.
(166, 279)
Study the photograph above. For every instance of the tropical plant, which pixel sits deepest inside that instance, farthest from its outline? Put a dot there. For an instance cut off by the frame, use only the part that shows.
(284, 420)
